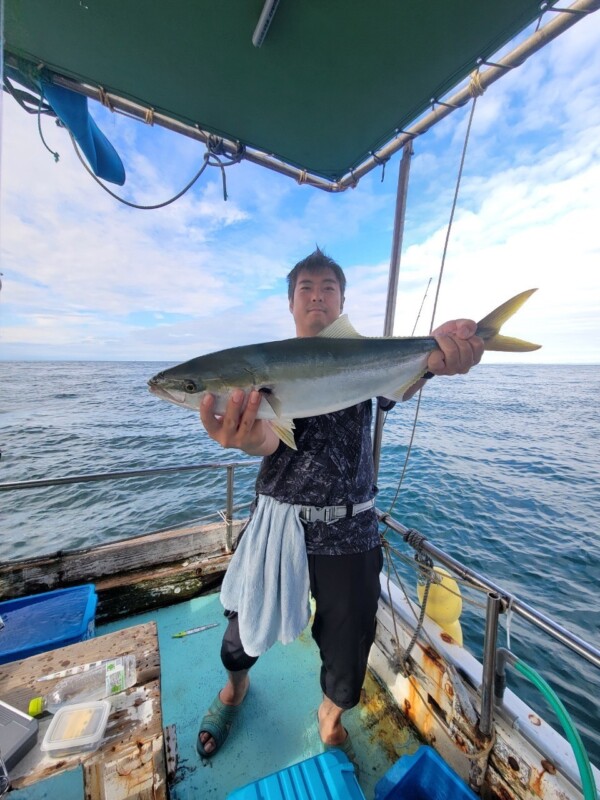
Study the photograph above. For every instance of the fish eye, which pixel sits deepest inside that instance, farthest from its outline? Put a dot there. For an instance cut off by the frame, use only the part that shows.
(190, 386)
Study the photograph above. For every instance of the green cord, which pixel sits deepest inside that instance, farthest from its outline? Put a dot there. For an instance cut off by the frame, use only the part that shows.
(585, 770)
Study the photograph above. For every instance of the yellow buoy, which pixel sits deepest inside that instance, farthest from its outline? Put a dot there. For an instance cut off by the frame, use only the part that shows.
(444, 604)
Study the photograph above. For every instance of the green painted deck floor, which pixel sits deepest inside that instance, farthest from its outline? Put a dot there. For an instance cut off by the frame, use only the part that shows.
(276, 726)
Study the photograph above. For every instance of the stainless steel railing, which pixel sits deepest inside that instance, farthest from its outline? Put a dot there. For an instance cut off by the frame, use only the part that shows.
(507, 599)
(230, 466)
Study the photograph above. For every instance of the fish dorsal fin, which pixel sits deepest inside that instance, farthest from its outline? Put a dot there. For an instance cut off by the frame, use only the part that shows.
(342, 328)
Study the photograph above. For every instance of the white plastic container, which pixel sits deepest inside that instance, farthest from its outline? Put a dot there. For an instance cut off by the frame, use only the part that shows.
(76, 728)
(104, 680)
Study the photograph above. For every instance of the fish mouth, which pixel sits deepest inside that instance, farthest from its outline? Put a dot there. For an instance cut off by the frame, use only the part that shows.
(172, 396)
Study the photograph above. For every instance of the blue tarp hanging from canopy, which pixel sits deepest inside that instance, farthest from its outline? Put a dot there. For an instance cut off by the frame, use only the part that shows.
(72, 110)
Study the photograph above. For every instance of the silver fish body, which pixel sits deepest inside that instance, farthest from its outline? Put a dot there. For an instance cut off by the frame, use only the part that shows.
(299, 377)
(305, 377)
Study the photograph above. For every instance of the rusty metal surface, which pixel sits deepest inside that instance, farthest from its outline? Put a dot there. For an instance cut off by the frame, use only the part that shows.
(386, 725)
(171, 753)
(510, 767)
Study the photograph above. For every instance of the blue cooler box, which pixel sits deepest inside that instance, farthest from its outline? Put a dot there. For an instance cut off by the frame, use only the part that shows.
(422, 776)
(45, 621)
(328, 776)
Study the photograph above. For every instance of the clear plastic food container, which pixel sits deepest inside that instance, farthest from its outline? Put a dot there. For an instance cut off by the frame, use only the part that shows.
(76, 728)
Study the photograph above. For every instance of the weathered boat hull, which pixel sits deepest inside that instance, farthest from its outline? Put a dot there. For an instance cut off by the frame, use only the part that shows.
(131, 575)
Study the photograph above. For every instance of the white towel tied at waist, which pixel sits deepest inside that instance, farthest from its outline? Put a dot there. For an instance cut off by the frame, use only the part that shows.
(267, 580)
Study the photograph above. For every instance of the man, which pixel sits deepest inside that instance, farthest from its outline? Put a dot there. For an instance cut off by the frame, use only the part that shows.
(333, 466)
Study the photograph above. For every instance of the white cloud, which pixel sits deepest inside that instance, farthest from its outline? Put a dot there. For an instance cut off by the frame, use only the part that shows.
(85, 277)
(527, 227)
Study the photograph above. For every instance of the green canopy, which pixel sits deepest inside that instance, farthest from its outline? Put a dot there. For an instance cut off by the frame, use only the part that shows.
(332, 81)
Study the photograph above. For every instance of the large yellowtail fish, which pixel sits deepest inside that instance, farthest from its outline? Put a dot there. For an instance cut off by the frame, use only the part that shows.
(304, 377)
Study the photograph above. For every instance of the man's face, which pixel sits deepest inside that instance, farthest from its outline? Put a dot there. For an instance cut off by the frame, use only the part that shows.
(317, 301)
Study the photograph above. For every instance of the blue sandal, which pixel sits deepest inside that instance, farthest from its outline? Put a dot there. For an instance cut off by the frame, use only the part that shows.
(217, 723)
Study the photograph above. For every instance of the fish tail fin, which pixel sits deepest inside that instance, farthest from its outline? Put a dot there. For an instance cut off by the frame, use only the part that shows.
(489, 327)
(509, 344)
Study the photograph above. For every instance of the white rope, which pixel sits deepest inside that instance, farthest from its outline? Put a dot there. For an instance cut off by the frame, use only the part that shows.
(454, 202)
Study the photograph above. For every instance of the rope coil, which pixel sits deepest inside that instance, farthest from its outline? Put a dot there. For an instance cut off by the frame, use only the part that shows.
(414, 539)
(105, 99)
(381, 162)
(475, 86)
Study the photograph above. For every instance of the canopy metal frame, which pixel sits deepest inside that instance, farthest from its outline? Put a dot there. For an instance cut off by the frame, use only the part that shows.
(481, 78)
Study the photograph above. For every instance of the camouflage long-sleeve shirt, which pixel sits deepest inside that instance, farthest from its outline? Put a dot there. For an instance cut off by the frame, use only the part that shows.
(332, 466)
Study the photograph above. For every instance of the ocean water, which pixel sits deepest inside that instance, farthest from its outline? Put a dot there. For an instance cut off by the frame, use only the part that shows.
(504, 474)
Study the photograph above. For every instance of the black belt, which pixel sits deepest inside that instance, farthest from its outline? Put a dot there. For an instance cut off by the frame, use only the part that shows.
(331, 514)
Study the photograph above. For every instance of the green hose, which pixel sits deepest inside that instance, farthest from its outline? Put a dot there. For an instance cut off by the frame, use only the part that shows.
(585, 770)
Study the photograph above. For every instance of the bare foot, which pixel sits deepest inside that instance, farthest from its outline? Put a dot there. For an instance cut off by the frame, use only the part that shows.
(333, 733)
(331, 730)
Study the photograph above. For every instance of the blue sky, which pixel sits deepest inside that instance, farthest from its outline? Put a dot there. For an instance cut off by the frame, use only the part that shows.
(86, 278)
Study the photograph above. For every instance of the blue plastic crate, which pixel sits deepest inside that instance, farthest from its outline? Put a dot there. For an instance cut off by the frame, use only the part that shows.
(328, 776)
(422, 776)
(45, 621)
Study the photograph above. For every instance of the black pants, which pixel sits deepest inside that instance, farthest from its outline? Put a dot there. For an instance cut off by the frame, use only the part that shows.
(346, 590)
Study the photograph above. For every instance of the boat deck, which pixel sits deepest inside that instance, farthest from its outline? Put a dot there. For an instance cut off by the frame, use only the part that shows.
(276, 726)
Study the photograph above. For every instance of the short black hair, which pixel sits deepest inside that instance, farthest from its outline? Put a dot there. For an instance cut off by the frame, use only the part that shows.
(317, 261)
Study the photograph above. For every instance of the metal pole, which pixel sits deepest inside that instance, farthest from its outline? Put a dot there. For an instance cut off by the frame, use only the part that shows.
(486, 720)
(503, 657)
(229, 510)
(265, 19)
(390, 308)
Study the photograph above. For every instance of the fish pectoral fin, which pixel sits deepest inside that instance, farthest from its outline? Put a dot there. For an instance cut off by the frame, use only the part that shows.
(398, 394)
(272, 400)
(283, 427)
(342, 328)
(284, 430)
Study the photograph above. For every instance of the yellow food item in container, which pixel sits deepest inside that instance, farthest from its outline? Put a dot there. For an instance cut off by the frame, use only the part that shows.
(75, 728)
